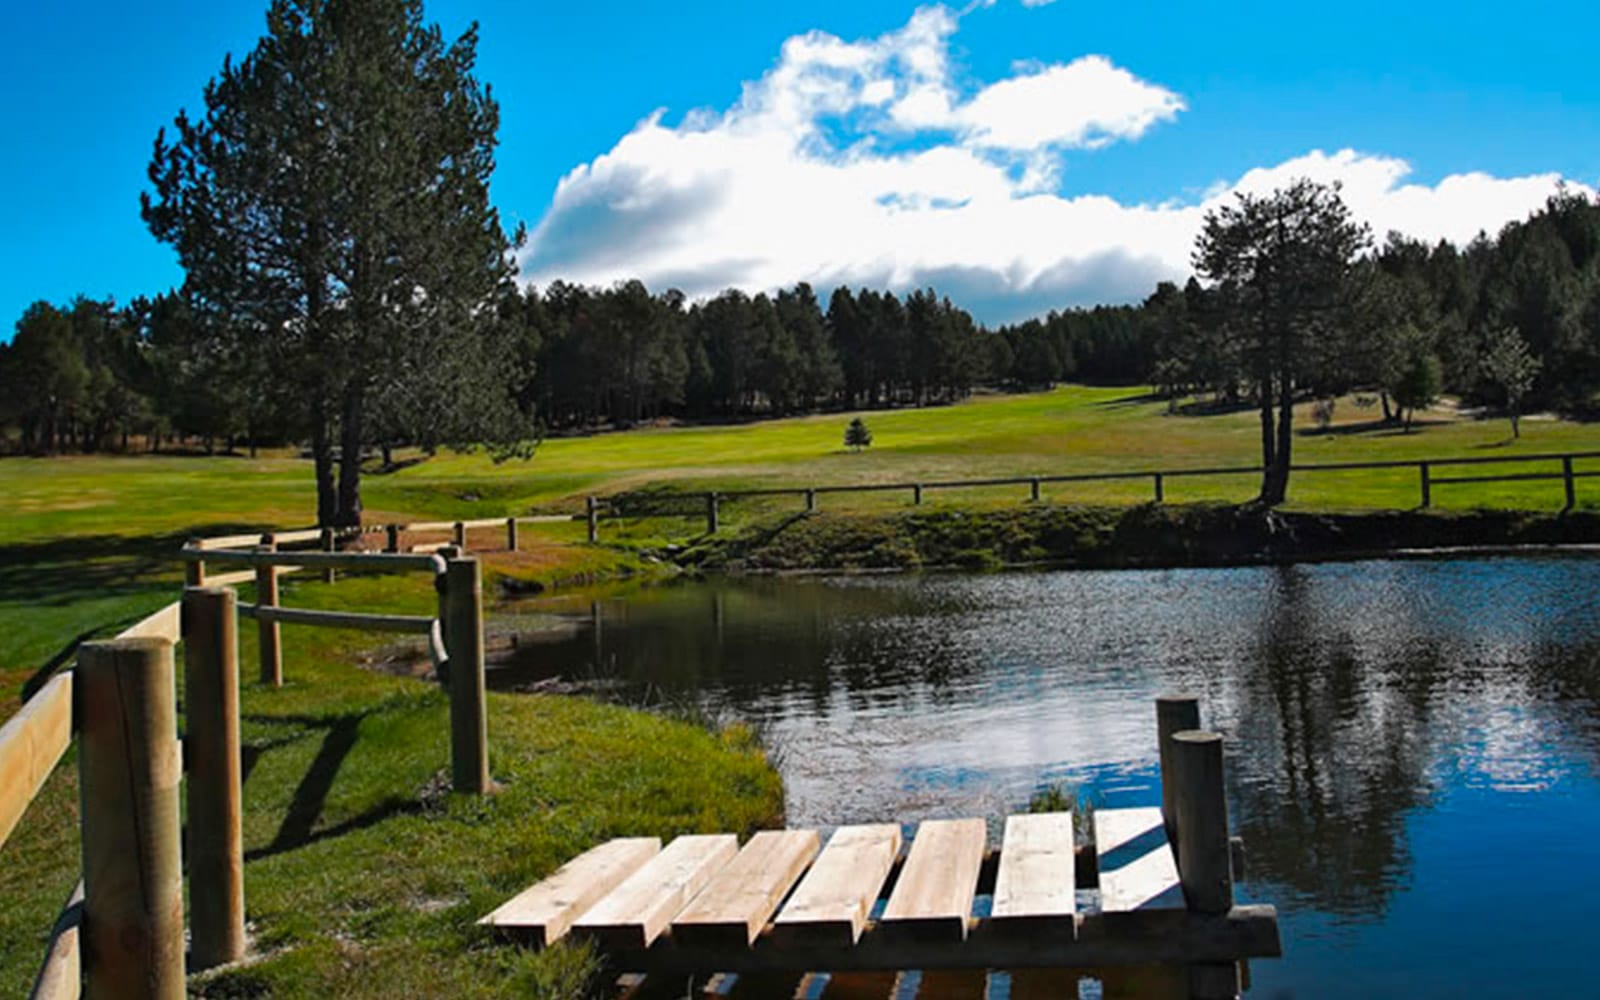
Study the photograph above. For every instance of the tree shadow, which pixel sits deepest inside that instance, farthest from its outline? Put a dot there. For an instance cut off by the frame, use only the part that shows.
(1213, 407)
(1378, 427)
(1123, 402)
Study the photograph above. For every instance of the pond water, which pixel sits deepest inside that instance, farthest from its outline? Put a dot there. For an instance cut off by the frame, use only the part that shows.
(1413, 747)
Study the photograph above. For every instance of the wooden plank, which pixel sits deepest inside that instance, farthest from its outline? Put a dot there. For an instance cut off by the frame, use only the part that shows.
(61, 975)
(635, 913)
(1036, 889)
(933, 898)
(733, 909)
(834, 900)
(31, 744)
(1143, 938)
(164, 624)
(413, 624)
(1137, 869)
(542, 913)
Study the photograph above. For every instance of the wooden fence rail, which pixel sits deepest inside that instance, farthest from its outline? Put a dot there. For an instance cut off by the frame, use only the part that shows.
(119, 701)
(626, 505)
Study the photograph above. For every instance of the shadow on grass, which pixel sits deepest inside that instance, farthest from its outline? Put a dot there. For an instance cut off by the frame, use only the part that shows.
(1123, 402)
(1374, 428)
(65, 570)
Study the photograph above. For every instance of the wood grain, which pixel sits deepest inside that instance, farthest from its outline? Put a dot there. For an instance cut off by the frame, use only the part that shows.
(735, 907)
(832, 903)
(31, 744)
(933, 897)
(636, 912)
(1036, 889)
(542, 913)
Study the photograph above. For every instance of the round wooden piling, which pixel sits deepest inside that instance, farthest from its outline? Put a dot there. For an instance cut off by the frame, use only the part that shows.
(271, 650)
(211, 744)
(511, 534)
(1174, 714)
(128, 781)
(1200, 809)
(469, 738)
(194, 573)
(458, 535)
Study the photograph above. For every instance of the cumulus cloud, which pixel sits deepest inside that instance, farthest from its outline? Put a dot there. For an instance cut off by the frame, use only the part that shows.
(872, 162)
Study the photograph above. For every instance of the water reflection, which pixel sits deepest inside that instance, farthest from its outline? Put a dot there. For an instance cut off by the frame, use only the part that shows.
(1365, 705)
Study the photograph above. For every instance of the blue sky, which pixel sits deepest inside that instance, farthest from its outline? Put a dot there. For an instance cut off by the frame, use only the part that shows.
(1017, 156)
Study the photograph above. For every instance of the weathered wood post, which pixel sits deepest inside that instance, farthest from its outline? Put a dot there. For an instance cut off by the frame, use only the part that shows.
(1033, 489)
(711, 513)
(469, 738)
(916, 493)
(811, 501)
(1204, 854)
(1427, 484)
(1567, 481)
(458, 534)
(128, 774)
(1175, 713)
(511, 534)
(194, 572)
(392, 539)
(594, 520)
(329, 544)
(267, 631)
(1161, 493)
(211, 746)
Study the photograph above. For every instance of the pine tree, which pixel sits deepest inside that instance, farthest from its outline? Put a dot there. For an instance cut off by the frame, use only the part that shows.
(856, 435)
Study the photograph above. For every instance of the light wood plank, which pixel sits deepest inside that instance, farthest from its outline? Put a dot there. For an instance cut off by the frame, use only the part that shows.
(1036, 888)
(833, 902)
(164, 624)
(735, 907)
(1147, 873)
(31, 743)
(933, 898)
(543, 912)
(635, 913)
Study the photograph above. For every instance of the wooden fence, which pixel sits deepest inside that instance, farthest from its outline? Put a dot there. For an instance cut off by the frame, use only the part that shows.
(709, 504)
(119, 702)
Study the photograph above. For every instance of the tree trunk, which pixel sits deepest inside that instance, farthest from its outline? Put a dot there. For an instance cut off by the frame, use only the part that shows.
(349, 510)
(1516, 422)
(1388, 417)
(1268, 443)
(322, 458)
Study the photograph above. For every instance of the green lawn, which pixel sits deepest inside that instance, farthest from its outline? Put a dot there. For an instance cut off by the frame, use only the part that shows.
(362, 879)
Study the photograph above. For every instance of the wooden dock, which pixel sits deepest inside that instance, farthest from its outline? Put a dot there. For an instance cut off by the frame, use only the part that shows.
(873, 899)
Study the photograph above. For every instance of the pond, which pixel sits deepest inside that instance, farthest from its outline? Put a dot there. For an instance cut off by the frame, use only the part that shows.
(1414, 747)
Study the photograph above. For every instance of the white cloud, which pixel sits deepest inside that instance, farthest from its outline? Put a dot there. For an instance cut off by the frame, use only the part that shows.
(864, 163)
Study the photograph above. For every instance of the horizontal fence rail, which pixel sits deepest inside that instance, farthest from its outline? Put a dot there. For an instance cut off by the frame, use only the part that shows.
(708, 504)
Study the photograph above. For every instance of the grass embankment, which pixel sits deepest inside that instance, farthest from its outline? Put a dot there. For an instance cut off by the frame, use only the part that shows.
(364, 876)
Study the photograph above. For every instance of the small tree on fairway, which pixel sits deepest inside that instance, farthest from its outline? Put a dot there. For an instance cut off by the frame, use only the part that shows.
(856, 436)
(1512, 369)
(1418, 386)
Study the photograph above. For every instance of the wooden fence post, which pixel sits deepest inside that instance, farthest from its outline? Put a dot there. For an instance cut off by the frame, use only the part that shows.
(392, 541)
(511, 534)
(129, 772)
(1204, 855)
(194, 573)
(1567, 481)
(1033, 489)
(211, 746)
(328, 545)
(459, 536)
(469, 738)
(1427, 484)
(811, 501)
(916, 493)
(267, 632)
(1174, 714)
(711, 514)
(1161, 493)
(594, 520)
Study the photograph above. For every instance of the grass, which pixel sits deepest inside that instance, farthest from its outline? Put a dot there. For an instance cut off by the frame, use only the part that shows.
(363, 879)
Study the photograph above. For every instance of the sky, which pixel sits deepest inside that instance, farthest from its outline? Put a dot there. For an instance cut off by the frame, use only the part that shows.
(1017, 155)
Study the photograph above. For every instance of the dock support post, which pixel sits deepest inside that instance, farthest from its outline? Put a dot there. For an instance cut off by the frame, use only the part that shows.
(511, 534)
(267, 632)
(1033, 489)
(712, 514)
(1567, 481)
(329, 545)
(211, 745)
(1204, 854)
(1175, 713)
(392, 541)
(128, 783)
(594, 520)
(1427, 484)
(469, 738)
(1161, 493)
(458, 535)
(194, 573)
